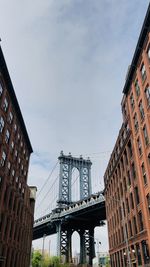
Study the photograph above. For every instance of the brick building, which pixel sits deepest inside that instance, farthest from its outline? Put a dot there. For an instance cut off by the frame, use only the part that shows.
(16, 198)
(127, 177)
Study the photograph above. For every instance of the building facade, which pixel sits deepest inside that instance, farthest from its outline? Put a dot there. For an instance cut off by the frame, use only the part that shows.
(16, 198)
(127, 177)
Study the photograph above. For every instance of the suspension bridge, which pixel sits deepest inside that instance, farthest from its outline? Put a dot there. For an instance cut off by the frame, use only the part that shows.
(68, 215)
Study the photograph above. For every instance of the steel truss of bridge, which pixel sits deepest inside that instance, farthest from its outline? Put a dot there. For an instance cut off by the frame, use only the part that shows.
(81, 216)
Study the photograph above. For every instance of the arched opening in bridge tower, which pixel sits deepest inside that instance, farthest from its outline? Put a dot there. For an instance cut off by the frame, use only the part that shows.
(75, 247)
(75, 185)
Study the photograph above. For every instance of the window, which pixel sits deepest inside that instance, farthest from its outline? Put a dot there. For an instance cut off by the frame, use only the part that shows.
(16, 153)
(148, 202)
(10, 117)
(1, 124)
(125, 185)
(1, 89)
(9, 165)
(129, 179)
(136, 124)
(138, 252)
(132, 101)
(139, 146)
(127, 205)
(135, 225)
(126, 157)
(141, 110)
(130, 228)
(147, 94)
(19, 160)
(143, 72)
(13, 173)
(140, 217)
(133, 171)
(3, 159)
(17, 179)
(12, 145)
(0, 182)
(7, 136)
(145, 135)
(149, 158)
(148, 53)
(130, 148)
(144, 173)
(137, 88)
(5, 105)
(136, 191)
(131, 201)
(15, 127)
(145, 251)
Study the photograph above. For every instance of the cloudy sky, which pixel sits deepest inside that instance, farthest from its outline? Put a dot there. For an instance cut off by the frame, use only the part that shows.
(68, 61)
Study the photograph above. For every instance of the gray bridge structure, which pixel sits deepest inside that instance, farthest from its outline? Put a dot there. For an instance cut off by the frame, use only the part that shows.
(81, 216)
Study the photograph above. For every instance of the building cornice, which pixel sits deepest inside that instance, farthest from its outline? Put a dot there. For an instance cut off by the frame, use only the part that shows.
(5, 73)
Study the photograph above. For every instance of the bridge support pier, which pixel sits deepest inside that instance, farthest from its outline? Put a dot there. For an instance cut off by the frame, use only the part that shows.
(64, 246)
(87, 250)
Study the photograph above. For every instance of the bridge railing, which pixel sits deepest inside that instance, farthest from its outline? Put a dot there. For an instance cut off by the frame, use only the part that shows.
(74, 207)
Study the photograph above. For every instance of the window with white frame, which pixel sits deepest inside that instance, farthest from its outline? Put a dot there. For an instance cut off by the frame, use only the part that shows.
(7, 136)
(137, 88)
(148, 53)
(3, 158)
(145, 135)
(143, 72)
(10, 117)
(12, 145)
(141, 110)
(1, 89)
(132, 101)
(5, 104)
(147, 94)
(1, 124)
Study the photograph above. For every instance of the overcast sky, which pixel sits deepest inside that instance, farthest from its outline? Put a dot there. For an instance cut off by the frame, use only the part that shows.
(68, 61)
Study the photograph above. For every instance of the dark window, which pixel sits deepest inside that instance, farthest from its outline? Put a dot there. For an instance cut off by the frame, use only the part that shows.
(144, 173)
(139, 146)
(127, 205)
(145, 251)
(130, 148)
(126, 157)
(129, 178)
(136, 124)
(149, 158)
(136, 191)
(131, 201)
(143, 72)
(148, 202)
(145, 135)
(141, 110)
(125, 185)
(135, 225)
(132, 101)
(137, 88)
(133, 170)
(130, 228)
(141, 225)
(138, 253)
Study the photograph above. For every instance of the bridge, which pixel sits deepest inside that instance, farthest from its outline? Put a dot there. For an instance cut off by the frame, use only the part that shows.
(69, 216)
